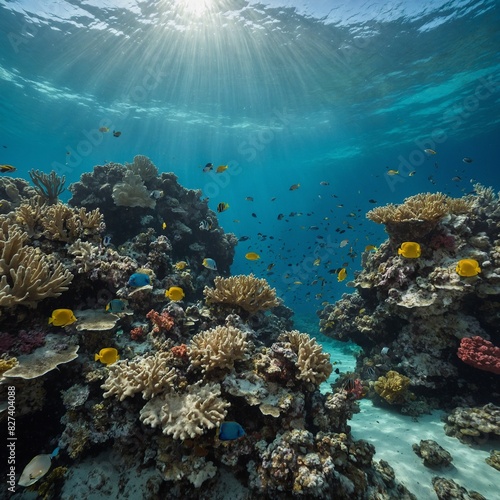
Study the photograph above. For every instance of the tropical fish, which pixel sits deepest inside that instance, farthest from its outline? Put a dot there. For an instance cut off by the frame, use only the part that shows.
(317, 262)
(370, 248)
(467, 160)
(384, 351)
(156, 194)
(116, 133)
(208, 167)
(293, 187)
(103, 129)
(37, 468)
(342, 274)
(252, 256)
(280, 216)
(324, 183)
(270, 266)
(62, 317)
(372, 201)
(391, 171)
(229, 431)
(107, 356)
(221, 168)
(410, 250)
(222, 207)
(139, 279)
(182, 264)
(456, 179)
(164, 225)
(205, 225)
(343, 243)
(243, 238)
(249, 198)
(297, 282)
(116, 306)
(7, 168)
(412, 173)
(468, 267)
(429, 151)
(175, 293)
(209, 264)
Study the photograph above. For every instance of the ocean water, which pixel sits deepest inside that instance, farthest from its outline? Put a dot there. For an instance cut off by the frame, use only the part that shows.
(283, 92)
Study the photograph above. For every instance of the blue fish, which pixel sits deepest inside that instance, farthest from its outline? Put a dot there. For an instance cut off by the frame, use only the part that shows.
(209, 264)
(116, 306)
(139, 279)
(229, 431)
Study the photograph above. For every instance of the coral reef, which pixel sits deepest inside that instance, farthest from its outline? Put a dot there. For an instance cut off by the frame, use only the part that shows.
(393, 387)
(432, 454)
(246, 292)
(480, 353)
(494, 459)
(447, 488)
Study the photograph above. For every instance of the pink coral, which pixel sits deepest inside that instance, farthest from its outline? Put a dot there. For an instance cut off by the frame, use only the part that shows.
(161, 321)
(29, 340)
(179, 351)
(137, 333)
(480, 353)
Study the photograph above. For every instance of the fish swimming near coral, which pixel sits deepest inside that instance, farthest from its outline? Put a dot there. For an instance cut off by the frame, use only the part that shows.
(205, 225)
(209, 264)
(468, 268)
(7, 168)
(37, 468)
(116, 306)
(182, 264)
(62, 317)
(341, 276)
(252, 256)
(229, 431)
(175, 293)
(410, 250)
(222, 207)
(107, 356)
(370, 248)
(156, 194)
(139, 279)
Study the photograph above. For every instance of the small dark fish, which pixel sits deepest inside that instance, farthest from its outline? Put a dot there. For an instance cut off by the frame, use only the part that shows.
(372, 201)
(313, 228)
(208, 167)
(456, 179)
(244, 238)
(254, 215)
(116, 133)
(280, 216)
(467, 160)
(249, 198)
(324, 183)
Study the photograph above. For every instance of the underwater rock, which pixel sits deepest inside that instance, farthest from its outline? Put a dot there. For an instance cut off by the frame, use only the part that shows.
(432, 453)
(447, 488)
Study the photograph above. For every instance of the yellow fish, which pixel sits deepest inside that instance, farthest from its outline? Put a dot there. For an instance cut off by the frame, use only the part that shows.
(392, 172)
(252, 256)
(222, 207)
(410, 250)
(103, 129)
(342, 274)
(370, 248)
(468, 267)
(182, 264)
(7, 168)
(221, 168)
(317, 262)
(164, 225)
(62, 317)
(107, 356)
(175, 293)
(297, 282)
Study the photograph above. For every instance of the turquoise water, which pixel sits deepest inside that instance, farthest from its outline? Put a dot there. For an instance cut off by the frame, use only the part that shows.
(283, 92)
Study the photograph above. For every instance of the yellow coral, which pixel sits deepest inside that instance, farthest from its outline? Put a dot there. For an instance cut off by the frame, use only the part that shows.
(218, 348)
(248, 292)
(392, 387)
(314, 364)
(7, 364)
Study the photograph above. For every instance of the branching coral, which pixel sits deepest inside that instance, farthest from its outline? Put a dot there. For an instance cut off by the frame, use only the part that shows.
(393, 387)
(28, 275)
(218, 348)
(149, 375)
(313, 364)
(143, 167)
(48, 186)
(132, 192)
(248, 292)
(186, 415)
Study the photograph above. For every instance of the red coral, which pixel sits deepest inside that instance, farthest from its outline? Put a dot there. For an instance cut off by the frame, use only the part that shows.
(356, 389)
(137, 333)
(480, 354)
(29, 340)
(179, 351)
(161, 321)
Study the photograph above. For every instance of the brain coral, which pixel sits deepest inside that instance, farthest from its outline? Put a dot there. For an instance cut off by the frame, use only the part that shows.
(148, 375)
(314, 365)
(189, 414)
(218, 348)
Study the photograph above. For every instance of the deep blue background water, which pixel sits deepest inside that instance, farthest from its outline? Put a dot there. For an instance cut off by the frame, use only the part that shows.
(283, 92)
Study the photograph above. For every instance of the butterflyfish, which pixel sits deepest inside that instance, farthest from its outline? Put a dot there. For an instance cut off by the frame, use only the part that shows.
(222, 207)
(252, 256)
(7, 168)
(410, 250)
(182, 264)
(175, 293)
(156, 194)
(342, 274)
(62, 317)
(205, 225)
(36, 469)
(208, 167)
(116, 306)
(221, 168)
(139, 279)
(107, 356)
(468, 267)
(209, 264)
(229, 431)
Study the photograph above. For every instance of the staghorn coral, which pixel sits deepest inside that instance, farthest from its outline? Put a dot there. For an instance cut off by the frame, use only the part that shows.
(219, 347)
(48, 186)
(186, 415)
(143, 167)
(393, 387)
(313, 364)
(28, 215)
(149, 375)
(248, 292)
(28, 275)
(132, 192)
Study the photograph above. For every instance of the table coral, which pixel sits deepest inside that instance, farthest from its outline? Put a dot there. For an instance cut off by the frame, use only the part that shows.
(393, 387)
(219, 347)
(247, 292)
